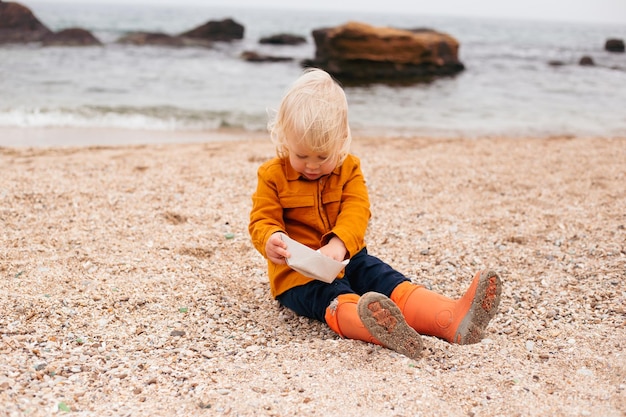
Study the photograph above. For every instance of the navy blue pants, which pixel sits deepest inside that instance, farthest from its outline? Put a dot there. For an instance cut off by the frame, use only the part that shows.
(363, 273)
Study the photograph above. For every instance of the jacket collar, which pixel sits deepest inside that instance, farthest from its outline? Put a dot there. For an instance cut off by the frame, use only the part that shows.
(293, 175)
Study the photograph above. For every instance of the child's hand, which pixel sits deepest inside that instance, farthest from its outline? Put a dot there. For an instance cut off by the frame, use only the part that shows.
(276, 249)
(335, 249)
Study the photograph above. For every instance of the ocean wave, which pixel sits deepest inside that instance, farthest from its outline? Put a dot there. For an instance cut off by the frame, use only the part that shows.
(129, 117)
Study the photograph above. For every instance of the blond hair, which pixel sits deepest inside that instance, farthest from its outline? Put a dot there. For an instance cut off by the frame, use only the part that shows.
(314, 112)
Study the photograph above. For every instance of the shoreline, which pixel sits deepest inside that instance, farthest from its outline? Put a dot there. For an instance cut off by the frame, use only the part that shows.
(85, 137)
(21, 137)
(124, 295)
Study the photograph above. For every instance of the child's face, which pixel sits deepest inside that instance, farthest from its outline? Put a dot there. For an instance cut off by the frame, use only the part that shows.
(311, 164)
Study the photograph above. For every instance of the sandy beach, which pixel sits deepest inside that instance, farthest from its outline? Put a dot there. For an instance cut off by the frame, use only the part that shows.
(130, 287)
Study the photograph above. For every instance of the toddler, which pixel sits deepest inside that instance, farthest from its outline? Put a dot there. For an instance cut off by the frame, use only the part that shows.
(314, 192)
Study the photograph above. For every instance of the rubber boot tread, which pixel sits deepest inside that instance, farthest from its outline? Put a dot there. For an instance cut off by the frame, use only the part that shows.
(484, 306)
(385, 322)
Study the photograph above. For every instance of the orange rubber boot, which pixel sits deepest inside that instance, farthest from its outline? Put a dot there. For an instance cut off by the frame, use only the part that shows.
(342, 316)
(373, 318)
(460, 321)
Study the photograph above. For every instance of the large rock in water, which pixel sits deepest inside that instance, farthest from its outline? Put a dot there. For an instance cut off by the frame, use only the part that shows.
(357, 52)
(222, 30)
(18, 24)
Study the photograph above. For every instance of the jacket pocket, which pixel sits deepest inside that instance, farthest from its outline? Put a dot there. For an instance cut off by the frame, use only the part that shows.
(299, 209)
(295, 201)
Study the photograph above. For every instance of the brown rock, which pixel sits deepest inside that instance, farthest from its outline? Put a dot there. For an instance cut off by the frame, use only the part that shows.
(614, 45)
(222, 30)
(18, 24)
(71, 37)
(360, 52)
(283, 39)
(586, 61)
(252, 56)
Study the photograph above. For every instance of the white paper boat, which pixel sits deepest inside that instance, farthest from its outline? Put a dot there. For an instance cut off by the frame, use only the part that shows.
(312, 263)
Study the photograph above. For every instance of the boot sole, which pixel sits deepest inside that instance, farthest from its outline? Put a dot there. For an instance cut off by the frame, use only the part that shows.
(385, 322)
(483, 309)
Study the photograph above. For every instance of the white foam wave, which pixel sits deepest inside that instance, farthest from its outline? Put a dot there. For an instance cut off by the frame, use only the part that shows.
(165, 119)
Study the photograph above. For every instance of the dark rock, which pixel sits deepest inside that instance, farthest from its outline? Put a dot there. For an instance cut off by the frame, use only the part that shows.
(71, 37)
(252, 56)
(556, 63)
(614, 45)
(223, 30)
(357, 52)
(283, 39)
(18, 24)
(586, 61)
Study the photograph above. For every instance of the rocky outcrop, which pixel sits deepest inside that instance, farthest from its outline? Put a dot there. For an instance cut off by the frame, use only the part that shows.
(18, 24)
(283, 39)
(586, 61)
(357, 52)
(614, 45)
(71, 37)
(223, 30)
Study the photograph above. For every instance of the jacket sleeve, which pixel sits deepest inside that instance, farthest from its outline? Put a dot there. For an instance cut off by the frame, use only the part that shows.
(266, 216)
(354, 213)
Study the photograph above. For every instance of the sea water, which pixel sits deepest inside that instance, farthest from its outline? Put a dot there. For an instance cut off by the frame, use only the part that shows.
(509, 86)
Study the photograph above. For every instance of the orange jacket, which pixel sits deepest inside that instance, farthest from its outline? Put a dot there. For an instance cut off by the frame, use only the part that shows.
(310, 212)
